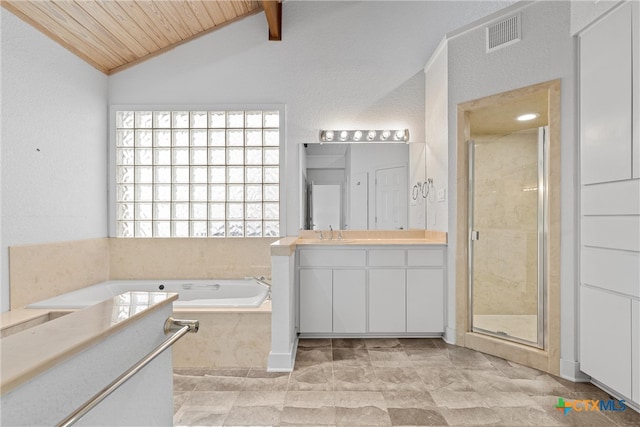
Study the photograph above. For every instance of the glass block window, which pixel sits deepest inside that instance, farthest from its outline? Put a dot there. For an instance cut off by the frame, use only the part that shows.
(197, 173)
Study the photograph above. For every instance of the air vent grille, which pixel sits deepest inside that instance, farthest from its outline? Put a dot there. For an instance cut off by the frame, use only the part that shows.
(503, 33)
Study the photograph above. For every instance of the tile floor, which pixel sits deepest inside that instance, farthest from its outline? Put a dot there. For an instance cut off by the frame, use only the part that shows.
(384, 382)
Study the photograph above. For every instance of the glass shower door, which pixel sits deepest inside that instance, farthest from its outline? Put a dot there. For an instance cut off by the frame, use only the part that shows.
(507, 229)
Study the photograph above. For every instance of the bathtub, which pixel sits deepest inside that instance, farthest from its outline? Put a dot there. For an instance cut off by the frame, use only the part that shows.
(226, 293)
(234, 315)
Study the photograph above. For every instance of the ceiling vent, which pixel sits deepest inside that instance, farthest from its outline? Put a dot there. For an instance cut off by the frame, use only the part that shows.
(503, 33)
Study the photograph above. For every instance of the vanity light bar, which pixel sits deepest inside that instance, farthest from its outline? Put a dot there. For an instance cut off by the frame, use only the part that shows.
(400, 135)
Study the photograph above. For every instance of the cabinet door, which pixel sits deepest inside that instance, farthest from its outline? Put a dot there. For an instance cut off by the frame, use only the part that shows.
(425, 300)
(605, 338)
(349, 301)
(606, 76)
(387, 300)
(315, 300)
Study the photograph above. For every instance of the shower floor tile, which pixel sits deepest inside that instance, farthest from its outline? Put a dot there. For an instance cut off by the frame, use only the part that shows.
(385, 382)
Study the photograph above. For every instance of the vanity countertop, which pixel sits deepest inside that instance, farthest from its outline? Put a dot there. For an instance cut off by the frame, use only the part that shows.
(287, 245)
(37, 349)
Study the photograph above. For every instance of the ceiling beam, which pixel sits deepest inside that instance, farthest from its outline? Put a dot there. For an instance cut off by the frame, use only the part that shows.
(273, 12)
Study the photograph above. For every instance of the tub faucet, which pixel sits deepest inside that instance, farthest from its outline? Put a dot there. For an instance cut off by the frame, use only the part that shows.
(264, 282)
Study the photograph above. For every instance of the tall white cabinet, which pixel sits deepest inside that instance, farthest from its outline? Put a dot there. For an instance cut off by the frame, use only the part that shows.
(610, 201)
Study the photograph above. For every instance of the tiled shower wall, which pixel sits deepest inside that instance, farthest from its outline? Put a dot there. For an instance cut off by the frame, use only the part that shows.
(42, 271)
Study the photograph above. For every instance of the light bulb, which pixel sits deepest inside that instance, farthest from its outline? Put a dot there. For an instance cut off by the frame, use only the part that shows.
(328, 135)
(527, 117)
(399, 135)
(343, 135)
(385, 134)
(371, 135)
(357, 135)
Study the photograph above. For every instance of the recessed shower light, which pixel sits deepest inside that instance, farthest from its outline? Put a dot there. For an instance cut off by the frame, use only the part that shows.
(527, 117)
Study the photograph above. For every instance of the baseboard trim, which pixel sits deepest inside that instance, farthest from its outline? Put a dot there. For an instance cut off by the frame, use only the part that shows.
(570, 370)
(450, 336)
(283, 362)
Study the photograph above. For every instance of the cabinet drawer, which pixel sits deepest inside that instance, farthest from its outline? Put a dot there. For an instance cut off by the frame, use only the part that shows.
(333, 258)
(425, 257)
(386, 258)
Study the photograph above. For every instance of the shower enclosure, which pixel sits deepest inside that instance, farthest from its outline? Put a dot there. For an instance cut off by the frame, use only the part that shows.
(507, 232)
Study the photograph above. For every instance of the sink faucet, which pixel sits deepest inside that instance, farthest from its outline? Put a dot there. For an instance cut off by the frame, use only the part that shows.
(321, 236)
(339, 234)
(331, 235)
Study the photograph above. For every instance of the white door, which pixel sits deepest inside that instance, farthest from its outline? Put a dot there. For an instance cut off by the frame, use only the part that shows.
(391, 198)
(326, 206)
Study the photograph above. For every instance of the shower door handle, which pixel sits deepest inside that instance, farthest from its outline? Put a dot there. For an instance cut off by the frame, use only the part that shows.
(475, 235)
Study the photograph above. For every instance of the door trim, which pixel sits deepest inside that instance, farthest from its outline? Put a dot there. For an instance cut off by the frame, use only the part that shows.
(547, 360)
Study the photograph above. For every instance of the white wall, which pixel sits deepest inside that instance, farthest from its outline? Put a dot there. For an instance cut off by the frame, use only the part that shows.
(546, 52)
(53, 170)
(436, 132)
(339, 65)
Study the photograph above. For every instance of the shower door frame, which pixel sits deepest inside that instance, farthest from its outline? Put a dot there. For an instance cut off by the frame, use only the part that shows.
(542, 237)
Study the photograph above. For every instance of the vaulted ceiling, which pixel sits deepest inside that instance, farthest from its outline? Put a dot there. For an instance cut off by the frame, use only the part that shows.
(114, 34)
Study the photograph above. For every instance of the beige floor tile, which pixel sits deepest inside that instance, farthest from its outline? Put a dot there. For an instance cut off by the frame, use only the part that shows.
(260, 398)
(458, 399)
(198, 417)
(260, 379)
(348, 343)
(416, 417)
(396, 379)
(382, 343)
(471, 417)
(365, 415)
(436, 378)
(314, 377)
(408, 399)
(350, 378)
(216, 401)
(313, 356)
(386, 382)
(253, 416)
(351, 356)
(309, 399)
(314, 343)
(324, 415)
(220, 383)
(389, 357)
(526, 416)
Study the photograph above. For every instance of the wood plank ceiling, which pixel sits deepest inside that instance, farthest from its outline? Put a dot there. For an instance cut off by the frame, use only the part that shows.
(112, 35)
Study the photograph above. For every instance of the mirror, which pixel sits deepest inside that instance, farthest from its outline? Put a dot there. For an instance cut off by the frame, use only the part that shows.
(354, 186)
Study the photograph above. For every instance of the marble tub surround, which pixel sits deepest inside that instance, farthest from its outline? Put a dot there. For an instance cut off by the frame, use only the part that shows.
(228, 337)
(42, 271)
(177, 258)
(351, 382)
(36, 350)
(12, 322)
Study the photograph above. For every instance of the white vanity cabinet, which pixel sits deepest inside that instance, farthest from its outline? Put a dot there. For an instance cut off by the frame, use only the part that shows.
(316, 295)
(387, 300)
(371, 290)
